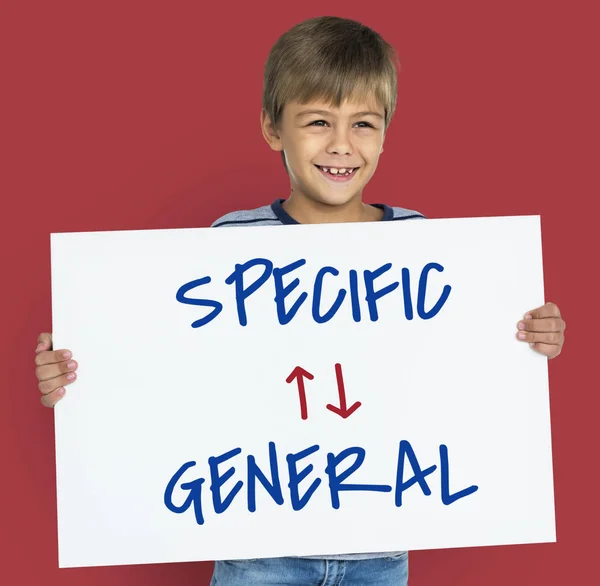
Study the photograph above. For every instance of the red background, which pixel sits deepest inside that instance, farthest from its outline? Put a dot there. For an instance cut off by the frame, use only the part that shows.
(120, 115)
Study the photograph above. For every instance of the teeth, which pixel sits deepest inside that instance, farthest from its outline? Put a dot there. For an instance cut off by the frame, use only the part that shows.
(333, 171)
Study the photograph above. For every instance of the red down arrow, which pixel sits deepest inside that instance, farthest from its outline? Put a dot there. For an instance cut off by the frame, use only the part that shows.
(342, 410)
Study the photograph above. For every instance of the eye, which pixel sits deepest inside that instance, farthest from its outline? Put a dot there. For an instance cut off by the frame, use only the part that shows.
(314, 122)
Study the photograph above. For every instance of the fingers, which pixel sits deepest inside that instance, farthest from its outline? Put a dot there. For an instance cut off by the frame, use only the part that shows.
(48, 357)
(554, 338)
(548, 350)
(48, 386)
(549, 324)
(544, 329)
(53, 378)
(548, 310)
(51, 399)
(55, 369)
(50, 371)
(44, 342)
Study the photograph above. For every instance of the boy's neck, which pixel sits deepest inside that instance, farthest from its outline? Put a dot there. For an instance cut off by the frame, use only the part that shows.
(307, 211)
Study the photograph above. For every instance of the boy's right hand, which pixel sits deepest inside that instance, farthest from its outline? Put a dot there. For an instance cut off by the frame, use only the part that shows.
(54, 370)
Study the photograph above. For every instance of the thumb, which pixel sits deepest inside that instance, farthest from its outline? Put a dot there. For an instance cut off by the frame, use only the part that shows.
(44, 343)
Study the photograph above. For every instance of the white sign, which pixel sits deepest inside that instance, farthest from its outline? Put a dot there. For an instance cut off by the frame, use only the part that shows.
(306, 390)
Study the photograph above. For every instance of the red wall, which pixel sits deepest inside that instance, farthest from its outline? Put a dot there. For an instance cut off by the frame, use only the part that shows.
(120, 115)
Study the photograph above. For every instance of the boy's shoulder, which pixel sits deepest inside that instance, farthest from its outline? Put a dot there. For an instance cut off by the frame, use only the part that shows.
(405, 214)
(264, 215)
(273, 214)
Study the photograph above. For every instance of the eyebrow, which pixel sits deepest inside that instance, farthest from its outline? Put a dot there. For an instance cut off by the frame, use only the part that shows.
(326, 113)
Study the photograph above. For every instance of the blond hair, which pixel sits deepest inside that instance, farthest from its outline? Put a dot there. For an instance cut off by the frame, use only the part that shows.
(330, 59)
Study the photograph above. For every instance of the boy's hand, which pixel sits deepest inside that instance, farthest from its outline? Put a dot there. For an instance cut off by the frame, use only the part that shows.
(544, 329)
(54, 370)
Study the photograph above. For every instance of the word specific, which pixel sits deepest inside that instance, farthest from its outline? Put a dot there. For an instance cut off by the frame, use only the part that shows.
(297, 497)
(349, 293)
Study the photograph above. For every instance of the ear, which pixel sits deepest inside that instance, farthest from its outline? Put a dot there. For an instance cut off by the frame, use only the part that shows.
(270, 132)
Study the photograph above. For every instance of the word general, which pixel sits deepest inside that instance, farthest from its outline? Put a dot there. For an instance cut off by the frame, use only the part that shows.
(297, 498)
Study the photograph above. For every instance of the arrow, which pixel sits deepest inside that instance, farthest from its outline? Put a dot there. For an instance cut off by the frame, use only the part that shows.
(300, 374)
(342, 410)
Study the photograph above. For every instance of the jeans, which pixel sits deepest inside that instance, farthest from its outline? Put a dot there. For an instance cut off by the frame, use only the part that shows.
(385, 571)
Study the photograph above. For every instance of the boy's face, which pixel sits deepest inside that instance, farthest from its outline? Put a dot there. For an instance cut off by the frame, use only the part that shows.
(334, 137)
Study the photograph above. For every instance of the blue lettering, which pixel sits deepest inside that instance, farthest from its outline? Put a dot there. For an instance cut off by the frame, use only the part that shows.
(297, 477)
(317, 296)
(448, 498)
(254, 472)
(194, 497)
(241, 293)
(419, 476)
(335, 481)
(422, 290)
(372, 295)
(217, 307)
(217, 481)
(354, 295)
(408, 307)
(282, 292)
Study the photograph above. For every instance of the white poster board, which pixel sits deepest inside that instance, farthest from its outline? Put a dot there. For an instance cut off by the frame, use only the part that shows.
(230, 439)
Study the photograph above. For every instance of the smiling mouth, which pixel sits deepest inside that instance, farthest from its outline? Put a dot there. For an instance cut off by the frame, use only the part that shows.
(338, 177)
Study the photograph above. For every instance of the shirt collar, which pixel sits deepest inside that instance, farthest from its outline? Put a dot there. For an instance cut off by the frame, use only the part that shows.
(285, 218)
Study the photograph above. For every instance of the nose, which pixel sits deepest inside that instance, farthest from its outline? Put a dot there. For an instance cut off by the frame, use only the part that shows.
(340, 141)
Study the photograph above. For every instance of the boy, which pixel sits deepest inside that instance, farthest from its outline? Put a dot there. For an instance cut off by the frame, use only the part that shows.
(328, 98)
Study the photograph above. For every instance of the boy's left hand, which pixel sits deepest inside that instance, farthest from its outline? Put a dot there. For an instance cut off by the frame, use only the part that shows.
(544, 329)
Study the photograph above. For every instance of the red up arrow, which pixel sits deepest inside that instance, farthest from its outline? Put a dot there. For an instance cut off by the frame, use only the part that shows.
(342, 410)
(300, 374)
